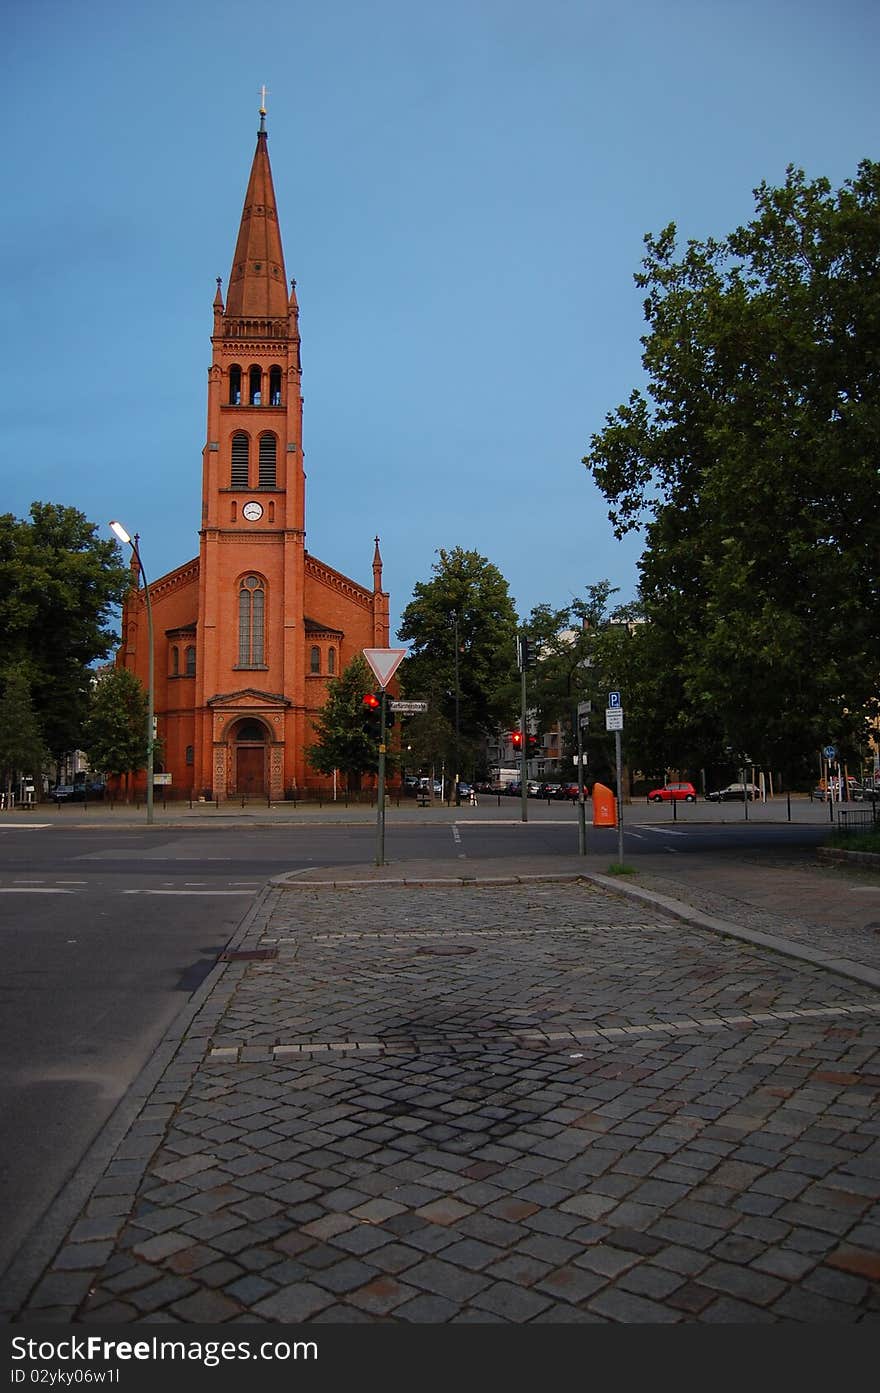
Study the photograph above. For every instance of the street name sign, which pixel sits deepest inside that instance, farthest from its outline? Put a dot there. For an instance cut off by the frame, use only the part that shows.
(384, 662)
(408, 708)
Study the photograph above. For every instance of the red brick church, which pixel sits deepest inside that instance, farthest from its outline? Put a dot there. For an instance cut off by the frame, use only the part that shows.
(247, 635)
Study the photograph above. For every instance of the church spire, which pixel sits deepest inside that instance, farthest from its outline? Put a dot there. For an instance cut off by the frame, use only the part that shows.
(377, 569)
(257, 284)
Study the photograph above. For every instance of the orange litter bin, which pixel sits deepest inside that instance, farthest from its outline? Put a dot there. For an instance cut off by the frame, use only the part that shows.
(604, 806)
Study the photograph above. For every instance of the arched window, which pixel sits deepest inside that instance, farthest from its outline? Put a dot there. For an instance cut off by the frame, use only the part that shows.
(189, 661)
(175, 661)
(235, 385)
(251, 622)
(315, 659)
(255, 377)
(267, 461)
(274, 386)
(331, 661)
(240, 460)
(250, 730)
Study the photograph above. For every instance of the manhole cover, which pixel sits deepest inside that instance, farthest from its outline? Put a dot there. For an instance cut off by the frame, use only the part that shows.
(447, 950)
(240, 955)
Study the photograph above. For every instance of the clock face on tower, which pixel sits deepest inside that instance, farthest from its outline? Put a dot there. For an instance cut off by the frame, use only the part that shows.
(252, 511)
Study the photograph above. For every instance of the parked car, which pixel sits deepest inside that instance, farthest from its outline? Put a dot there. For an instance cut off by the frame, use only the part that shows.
(855, 791)
(735, 793)
(673, 793)
(571, 791)
(67, 793)
(533, 788)
(549, 790)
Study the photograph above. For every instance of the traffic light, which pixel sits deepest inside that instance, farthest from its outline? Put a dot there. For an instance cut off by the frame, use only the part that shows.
(371, 709)
(526, 654)
(372, 712)
(516, 740)
(532, 746)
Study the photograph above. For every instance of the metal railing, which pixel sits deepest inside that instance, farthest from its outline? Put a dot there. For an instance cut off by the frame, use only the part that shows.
(852, 821)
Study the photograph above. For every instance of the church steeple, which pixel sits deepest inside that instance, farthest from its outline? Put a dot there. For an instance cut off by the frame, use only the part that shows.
(257, 283)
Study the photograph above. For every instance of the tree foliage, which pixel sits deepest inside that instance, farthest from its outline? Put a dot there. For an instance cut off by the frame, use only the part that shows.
(59, 585)
(347, 737)
(583, 651)
(467, 599)
(114, 736)
(22, 751)
(752, 464)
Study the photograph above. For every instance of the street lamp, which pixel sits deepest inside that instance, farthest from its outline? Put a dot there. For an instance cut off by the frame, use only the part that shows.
(457, 705)
(120, 532)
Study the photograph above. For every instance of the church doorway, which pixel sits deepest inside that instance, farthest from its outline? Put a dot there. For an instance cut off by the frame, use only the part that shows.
(250, 759)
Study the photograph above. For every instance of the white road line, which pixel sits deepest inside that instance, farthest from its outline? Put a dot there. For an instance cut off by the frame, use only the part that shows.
(23, 826)
(456, 835)
(187, 892)
(646, 827)
(33, 890)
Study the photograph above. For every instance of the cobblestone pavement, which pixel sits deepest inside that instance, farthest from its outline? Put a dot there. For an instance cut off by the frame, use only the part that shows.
(541, 1102)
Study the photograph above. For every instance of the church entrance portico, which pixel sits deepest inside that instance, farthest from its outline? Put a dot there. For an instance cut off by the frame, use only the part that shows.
(249, 745)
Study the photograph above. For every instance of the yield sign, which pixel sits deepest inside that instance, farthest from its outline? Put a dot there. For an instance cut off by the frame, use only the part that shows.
(384, 662)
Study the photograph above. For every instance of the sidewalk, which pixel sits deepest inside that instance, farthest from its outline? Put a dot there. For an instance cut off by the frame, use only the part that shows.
(799, 808)
(453, 1094)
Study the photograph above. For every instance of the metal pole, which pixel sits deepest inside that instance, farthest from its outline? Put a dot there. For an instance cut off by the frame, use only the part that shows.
(150, 677)
(457, 714)
(618, 763)
(380, 820)
(582, 809)
(523, 754)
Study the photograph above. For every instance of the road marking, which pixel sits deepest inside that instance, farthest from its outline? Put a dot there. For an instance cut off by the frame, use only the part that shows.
(668, 831)
(32, 890)
(187, 892)
(23, 826)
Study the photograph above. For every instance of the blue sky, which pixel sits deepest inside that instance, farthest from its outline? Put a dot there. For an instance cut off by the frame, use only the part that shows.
(463, 192)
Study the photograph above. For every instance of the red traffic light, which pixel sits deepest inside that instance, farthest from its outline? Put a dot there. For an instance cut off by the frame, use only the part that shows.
(516, 739)
(371, 701)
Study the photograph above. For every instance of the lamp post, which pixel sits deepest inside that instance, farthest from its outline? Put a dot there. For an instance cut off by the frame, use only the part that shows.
(457, 711)
(120, 532)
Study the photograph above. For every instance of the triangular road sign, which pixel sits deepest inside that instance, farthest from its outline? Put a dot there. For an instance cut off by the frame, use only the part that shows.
(384, 662)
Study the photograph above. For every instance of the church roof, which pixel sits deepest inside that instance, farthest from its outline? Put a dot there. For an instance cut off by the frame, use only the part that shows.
(257, 282)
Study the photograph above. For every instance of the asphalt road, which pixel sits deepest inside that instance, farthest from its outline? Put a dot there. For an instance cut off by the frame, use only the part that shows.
(106, 931)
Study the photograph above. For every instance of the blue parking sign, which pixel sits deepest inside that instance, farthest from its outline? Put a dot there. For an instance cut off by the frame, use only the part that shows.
(613, 700)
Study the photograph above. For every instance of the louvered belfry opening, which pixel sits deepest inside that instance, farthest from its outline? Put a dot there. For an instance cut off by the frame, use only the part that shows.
(267, 461)
(240, 460)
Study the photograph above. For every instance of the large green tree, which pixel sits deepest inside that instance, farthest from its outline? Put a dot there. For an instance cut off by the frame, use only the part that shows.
(347, 735)
(22, 751)
(474, 689)
(752, 463)
(59, 586)
(114, 736)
